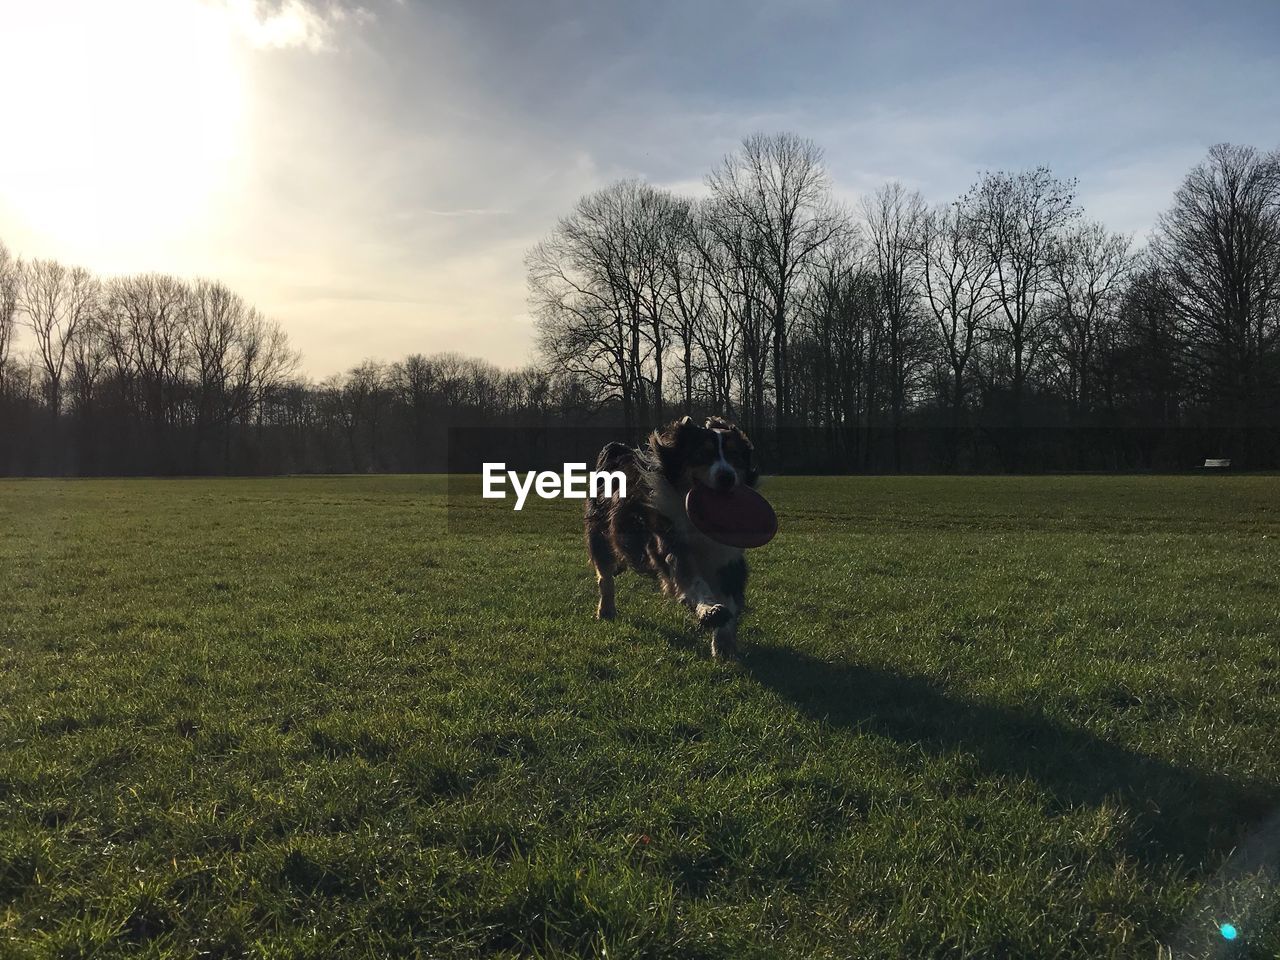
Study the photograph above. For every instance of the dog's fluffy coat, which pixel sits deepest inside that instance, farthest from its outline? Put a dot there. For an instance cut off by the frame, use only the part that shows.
(649, 531)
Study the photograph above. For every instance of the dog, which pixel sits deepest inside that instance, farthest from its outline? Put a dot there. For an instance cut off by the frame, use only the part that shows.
(649, 531)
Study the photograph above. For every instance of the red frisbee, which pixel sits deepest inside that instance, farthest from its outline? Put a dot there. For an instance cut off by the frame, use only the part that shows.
(737, 518)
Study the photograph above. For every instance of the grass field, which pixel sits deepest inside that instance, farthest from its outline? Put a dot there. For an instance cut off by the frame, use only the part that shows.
(990, 717)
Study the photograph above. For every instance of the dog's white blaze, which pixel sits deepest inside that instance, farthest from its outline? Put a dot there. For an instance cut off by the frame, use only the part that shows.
(721, 465)
(706, 554)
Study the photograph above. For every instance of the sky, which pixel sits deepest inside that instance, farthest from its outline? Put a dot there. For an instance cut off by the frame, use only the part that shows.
(371, 174)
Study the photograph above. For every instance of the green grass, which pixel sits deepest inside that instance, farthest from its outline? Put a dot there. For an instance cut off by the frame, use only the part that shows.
(306, 717)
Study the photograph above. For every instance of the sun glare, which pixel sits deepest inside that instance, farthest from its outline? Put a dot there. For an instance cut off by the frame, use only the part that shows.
(123, 120)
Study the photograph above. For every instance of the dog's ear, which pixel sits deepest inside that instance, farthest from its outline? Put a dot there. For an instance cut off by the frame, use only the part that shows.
(677, 431)
(669, 444)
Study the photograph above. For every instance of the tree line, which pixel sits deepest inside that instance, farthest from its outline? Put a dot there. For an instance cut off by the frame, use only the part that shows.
(152, 374)
(145, 373)
(1002, 330)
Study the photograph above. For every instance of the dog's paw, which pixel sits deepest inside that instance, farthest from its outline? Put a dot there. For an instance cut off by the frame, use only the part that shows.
(606, 613)
(724, 645)
(713, 615)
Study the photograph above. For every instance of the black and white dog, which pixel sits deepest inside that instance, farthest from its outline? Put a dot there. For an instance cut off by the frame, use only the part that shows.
(650, 532)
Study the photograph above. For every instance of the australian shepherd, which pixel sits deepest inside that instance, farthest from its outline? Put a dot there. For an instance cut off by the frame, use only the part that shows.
(649, 531)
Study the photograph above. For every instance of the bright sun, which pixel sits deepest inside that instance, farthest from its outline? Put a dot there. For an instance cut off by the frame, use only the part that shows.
(123, 119)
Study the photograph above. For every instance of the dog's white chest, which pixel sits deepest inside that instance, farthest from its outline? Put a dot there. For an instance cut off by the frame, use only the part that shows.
(709, 556)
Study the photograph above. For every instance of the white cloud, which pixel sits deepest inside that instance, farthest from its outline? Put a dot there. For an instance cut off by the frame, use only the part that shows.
(380, 199)
(282, 24)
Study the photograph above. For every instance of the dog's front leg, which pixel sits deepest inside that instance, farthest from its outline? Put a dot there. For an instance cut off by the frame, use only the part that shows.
(715, 610)
(731, 585)
(724, 640)
(686, 582)
(707, 607)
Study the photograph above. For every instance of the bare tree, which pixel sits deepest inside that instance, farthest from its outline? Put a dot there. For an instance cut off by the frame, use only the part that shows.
(364, 397)
(415, 383)
(214, 318)
(10, 271)
(1147, 365)
(656, 241)
(686, 269)
(57, 301)
(586, 340)
(736, 334)
(235, 359)
(956, 285)
(451, 377)
(716, 334)
(1018, 217)
(148, 337)
(1087, 272)
(153, 347)
(597, 287)
(777, 190)
(1219, 247)
(839, 308)
(89, 355)
(338, 413)
(894, 220)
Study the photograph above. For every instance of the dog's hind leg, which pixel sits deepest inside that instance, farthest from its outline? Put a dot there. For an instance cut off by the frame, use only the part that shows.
(607, 608)
(605, 566)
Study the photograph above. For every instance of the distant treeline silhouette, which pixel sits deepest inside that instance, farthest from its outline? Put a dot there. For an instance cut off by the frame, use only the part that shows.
(998, 332)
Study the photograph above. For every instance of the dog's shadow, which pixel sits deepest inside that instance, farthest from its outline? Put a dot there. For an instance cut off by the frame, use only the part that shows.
(1175, 814)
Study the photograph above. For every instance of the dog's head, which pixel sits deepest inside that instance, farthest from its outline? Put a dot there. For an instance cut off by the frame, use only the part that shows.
(716, 454)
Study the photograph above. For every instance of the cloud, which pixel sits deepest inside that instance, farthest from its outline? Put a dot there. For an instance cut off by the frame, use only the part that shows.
(284, 24)
(385, 174)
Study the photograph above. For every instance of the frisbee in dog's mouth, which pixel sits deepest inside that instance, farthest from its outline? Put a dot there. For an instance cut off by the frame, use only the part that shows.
(737, 518)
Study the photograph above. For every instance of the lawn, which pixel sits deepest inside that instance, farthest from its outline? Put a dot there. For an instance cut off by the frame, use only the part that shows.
(974, 717)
